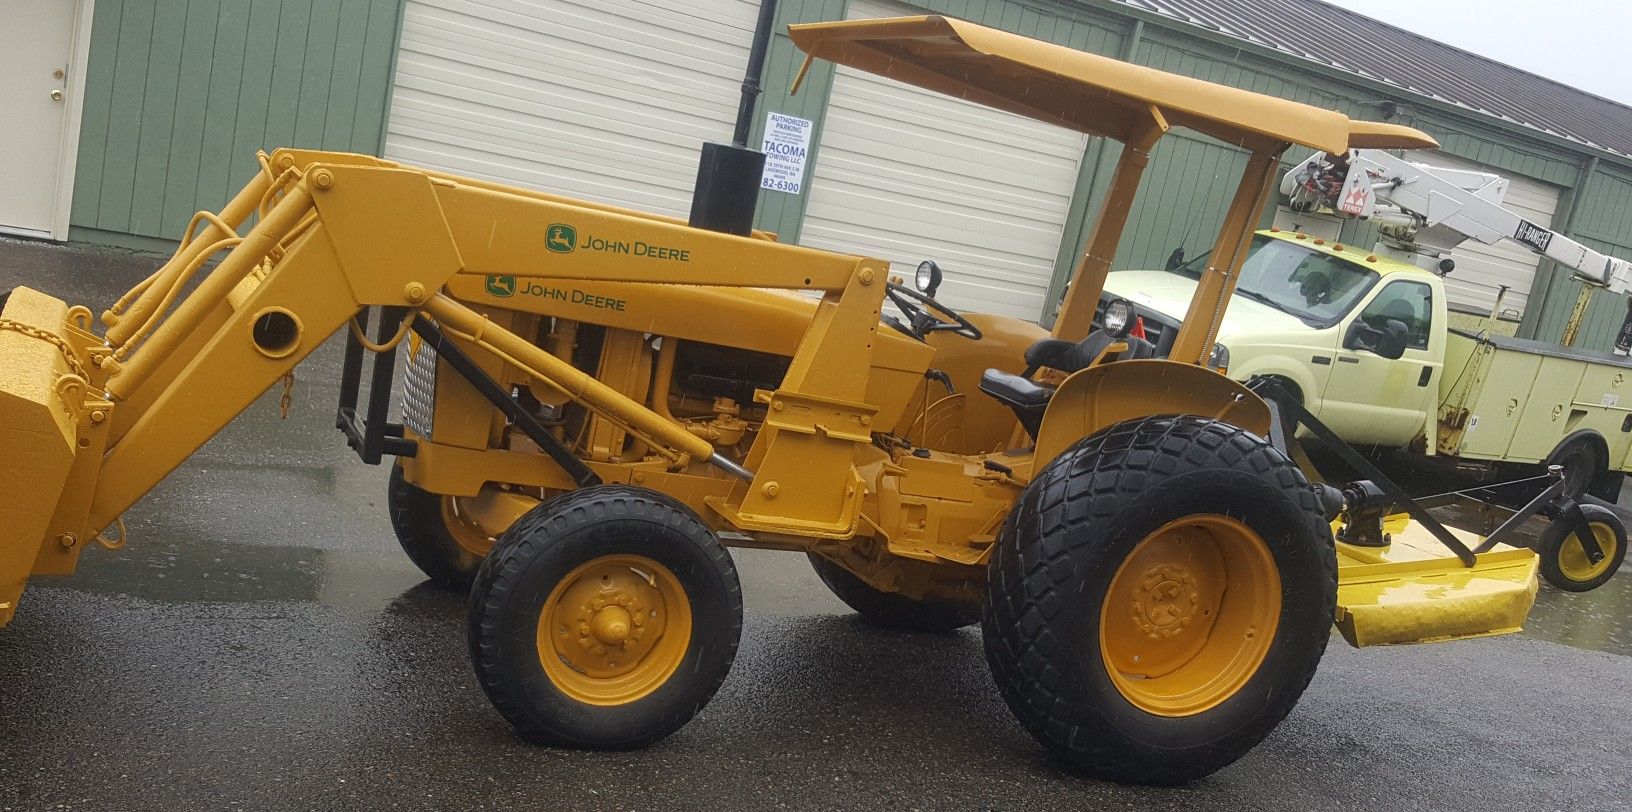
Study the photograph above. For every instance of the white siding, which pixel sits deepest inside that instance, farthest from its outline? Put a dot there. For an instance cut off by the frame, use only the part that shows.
(607, 100)
(905, 174)
(1481, 268)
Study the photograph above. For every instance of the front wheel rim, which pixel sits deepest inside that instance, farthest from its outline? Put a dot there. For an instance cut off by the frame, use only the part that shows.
(614, 629)
(1572, 556)
(1190, 615)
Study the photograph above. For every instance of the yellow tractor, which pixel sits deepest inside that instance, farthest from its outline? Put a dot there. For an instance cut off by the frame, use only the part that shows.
(599, 402)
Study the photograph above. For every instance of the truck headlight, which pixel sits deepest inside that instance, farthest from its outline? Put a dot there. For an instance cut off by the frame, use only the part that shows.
(1220, 359)
(1118, 317)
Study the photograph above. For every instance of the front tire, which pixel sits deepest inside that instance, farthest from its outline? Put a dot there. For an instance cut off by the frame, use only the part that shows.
(604, 618)
(892, 610)
(1564, 560)
(1159, 598)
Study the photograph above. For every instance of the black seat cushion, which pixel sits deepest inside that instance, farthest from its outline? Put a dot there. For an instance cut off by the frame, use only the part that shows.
(1026, 397)
(1015, 390)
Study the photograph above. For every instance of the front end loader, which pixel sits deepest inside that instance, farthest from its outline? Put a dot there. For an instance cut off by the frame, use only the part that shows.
(599, 402)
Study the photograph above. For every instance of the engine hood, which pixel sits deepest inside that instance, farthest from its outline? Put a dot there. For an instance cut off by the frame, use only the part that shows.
(1169, 295)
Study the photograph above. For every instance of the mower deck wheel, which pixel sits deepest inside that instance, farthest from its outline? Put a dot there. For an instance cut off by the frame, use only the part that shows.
(1564, 561)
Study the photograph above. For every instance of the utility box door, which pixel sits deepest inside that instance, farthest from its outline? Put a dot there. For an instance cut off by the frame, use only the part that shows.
(1497, 402)
(1549, 413)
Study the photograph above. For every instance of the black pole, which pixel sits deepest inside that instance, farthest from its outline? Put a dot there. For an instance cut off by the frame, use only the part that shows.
(728, 175)
(756, 65)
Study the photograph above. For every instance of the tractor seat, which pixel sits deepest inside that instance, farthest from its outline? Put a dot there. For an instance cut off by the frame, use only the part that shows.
(1028, 398)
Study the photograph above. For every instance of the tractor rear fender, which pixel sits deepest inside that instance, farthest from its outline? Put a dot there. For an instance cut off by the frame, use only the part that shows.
(1107, 394)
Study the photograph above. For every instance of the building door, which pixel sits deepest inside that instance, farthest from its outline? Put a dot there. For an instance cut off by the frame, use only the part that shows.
(603, 100)
(41, 60)
(907, 174)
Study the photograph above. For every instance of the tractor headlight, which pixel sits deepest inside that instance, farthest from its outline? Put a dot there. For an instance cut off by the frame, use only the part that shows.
(1220, 359)
(928, 278)
(1118, 317)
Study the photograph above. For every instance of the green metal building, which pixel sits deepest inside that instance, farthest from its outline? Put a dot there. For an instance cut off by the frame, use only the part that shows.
(164, 102)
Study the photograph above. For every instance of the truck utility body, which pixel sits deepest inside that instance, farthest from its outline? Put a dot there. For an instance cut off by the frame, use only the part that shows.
(1514, 399)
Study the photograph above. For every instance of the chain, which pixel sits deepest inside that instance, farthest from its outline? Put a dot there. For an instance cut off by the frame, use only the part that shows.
(288, 398)
(51, 338)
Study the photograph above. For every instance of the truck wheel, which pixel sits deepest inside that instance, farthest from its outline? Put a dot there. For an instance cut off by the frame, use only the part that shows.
(892, 610)
(1563, 560)
(1583, 464)
(605, 618)
(1608, 486)
(1159, 598)
(445, 546)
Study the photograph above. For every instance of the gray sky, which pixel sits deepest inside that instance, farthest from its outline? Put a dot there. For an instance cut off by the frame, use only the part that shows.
(1583, 43)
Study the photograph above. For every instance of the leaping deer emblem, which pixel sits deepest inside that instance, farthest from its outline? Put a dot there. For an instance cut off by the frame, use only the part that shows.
(561, 238)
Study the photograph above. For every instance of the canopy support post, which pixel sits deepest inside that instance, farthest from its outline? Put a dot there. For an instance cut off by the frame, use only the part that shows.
(1088, 281)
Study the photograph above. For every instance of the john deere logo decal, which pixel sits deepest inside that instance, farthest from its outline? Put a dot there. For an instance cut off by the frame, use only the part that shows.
(561, 238)
(502, 286)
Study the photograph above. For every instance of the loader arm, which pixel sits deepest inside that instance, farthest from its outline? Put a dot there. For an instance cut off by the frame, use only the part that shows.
(337, 233)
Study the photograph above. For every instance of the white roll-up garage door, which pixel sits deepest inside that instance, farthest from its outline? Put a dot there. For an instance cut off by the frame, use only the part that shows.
(1480, 268)
(608, 100)
(905, 174)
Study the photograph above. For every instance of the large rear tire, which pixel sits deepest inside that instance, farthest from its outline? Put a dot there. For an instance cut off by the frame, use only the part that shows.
(892, 610)
(604, 618)
(1159, 598)
(446, 546)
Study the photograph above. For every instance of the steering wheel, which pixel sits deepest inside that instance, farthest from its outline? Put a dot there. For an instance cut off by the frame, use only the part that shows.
(924, 315)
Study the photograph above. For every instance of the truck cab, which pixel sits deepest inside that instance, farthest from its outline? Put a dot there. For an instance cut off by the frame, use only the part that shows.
(1361, 337)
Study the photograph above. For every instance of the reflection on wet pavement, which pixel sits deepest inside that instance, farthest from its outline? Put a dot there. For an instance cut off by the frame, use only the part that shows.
(1600, 620)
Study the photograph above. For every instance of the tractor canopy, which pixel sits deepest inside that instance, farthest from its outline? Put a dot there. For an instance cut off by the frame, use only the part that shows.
(1095, 94)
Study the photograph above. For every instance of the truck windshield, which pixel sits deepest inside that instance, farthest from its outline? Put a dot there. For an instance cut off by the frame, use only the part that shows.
(1315, 287)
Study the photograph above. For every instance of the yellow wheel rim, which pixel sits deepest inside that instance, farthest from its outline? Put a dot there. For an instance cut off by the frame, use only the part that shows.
(1572, 557)
(614, 630)
(1190, 615)
(466, 533)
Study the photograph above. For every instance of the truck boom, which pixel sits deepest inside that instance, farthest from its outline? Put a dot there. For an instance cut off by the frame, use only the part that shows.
(1425, 211)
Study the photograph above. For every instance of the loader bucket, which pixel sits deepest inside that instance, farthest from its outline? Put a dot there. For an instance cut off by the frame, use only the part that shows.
(1412, 591)
(38, 431)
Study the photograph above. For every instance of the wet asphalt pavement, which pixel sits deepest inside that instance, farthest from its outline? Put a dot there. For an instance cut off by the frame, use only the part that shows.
(263, 644)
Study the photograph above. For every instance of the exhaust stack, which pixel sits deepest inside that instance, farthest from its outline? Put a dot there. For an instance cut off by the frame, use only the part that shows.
(728, 175)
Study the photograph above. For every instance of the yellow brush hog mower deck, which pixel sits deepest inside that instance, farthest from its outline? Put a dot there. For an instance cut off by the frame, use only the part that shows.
(600, 401)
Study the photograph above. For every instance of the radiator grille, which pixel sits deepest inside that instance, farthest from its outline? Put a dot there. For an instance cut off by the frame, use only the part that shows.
(419, 390)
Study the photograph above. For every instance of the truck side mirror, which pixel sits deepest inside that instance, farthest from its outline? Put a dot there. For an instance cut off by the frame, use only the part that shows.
(1388, 342)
